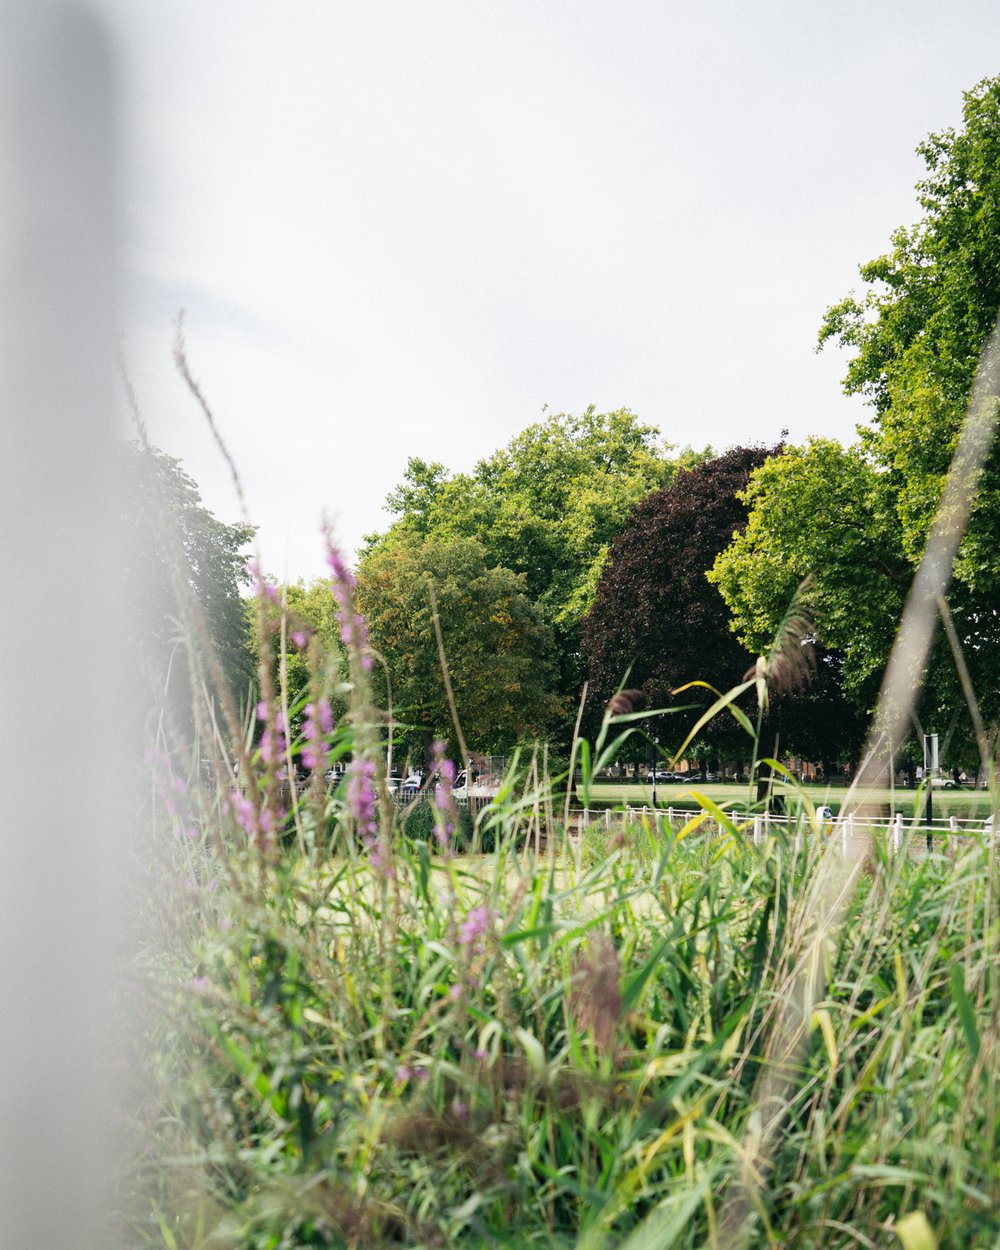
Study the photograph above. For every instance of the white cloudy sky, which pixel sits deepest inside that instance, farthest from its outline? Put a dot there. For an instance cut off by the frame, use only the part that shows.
(401, 227)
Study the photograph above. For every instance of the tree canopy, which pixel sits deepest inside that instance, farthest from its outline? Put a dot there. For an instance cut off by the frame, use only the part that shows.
(181, 548)
(821, 511)
(546, 506)
(499, 651)
(857, 519)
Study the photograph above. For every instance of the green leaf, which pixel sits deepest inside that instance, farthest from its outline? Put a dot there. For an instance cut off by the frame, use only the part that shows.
(633, 986)
(533, 1049)
(966, 1014)
(662, 1227)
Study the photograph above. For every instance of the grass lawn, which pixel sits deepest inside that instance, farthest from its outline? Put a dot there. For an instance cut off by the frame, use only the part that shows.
(963, 804)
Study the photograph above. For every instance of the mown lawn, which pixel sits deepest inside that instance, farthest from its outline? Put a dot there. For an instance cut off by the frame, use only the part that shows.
(964, 804)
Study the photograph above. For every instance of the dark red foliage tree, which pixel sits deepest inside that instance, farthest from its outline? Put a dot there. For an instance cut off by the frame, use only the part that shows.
(654, 609)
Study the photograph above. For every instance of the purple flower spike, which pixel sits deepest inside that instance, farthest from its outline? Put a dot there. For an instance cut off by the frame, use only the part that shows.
(317, 722)
(261, 585)
(446, 815)
(361, 802)
(474, 926)
(353, 626)
(242, 811)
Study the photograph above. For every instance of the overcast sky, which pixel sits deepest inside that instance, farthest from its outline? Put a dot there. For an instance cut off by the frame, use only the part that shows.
(402, 228)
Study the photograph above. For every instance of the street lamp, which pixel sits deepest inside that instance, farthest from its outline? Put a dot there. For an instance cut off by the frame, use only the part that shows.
(930, 772)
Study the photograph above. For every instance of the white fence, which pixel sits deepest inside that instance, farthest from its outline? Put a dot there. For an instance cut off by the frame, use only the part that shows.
(896, 831)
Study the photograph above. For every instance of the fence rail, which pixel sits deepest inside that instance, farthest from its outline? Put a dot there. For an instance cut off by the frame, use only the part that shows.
(894, 829)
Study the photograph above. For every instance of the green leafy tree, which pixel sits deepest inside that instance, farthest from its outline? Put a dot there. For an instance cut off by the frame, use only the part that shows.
(916, 336)
(546, 506)
(499, 651)
(824, 512)
(187, 569)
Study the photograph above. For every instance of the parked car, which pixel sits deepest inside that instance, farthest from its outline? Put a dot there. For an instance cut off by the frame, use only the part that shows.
(944, 783)
(665, 774)
(411, 784)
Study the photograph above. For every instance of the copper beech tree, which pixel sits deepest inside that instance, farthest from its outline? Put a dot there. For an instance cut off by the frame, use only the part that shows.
(655, 615)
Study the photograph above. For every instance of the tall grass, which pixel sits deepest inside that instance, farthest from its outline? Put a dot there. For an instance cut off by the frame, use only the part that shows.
(358, 1038)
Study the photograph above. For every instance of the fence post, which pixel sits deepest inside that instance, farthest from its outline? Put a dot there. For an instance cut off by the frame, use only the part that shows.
(756, 831)
(897, 833)
(586, 820)
(65, 905)
(607, 819)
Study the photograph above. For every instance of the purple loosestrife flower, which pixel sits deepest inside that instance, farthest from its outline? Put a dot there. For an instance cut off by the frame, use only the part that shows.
(242, 811)
(361, 802)
(261, 586)
(353, 626)
(272, 740)
(271, 820)
(171, 788)
(446, 814)
(474, 926)
(361, 795)
(300, 638)
(317, 722)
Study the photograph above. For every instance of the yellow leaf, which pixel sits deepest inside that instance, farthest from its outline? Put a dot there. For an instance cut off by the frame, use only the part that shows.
(732, 1043)
(900, 980)
(914, 1231)
(821, 1020)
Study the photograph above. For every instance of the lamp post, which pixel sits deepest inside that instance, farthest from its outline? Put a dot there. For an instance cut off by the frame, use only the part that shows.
(930, 772)
(656, 752)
